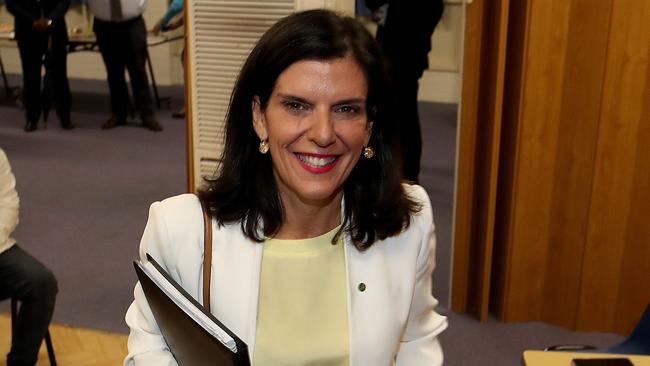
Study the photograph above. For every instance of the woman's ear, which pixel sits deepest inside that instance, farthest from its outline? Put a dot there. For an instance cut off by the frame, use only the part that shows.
(259, 122)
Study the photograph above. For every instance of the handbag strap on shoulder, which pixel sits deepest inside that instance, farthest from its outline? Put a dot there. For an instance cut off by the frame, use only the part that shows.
(207, 255)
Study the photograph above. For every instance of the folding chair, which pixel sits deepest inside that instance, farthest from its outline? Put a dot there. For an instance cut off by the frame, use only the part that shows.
(48, 340)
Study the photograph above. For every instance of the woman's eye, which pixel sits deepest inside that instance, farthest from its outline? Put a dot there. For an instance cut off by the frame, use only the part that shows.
(348, 109)
(294, 106)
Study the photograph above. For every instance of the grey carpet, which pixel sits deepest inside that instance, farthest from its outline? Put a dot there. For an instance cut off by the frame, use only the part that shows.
(84, 201)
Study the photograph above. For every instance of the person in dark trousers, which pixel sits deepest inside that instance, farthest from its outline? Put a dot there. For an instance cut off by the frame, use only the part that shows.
(404, 35)
(22, 277)
(42, 34)
(122, 40)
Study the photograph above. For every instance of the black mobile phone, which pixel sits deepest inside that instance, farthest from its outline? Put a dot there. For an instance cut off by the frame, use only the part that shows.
(602, 362)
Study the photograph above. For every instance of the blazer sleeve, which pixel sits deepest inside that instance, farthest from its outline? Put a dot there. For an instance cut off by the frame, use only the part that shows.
(419, 344)
(9, 201)
(146, 344)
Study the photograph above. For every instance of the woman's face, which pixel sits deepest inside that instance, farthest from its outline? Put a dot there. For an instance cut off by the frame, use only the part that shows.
(316, 124)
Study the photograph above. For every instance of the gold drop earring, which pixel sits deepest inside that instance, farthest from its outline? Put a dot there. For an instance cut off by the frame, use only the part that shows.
(368, 152)
(264, 146)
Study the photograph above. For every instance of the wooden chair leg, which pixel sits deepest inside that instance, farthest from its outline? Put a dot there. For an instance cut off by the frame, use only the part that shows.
(14, 315)
(48, 339)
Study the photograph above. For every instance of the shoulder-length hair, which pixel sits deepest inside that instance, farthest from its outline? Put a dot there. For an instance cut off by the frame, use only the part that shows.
(245, 191)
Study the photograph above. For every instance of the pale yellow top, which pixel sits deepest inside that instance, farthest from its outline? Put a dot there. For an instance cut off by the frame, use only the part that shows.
(302, 317)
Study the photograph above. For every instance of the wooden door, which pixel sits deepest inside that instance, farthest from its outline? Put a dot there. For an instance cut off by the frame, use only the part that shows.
(478, 154)
(571, 240)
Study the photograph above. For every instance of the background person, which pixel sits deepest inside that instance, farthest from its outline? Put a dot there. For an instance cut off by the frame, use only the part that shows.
(170, 21)
(404, 34)
(165, 23)
(320, 254)
(22, 277)
(40, 29)
(122, 40)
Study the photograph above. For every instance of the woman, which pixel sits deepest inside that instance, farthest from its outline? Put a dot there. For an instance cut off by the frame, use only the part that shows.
(320, 255)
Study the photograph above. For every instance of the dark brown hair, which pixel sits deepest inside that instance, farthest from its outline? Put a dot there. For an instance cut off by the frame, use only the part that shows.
(245, 191)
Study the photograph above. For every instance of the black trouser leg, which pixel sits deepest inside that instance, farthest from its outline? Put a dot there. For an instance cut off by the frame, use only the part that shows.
(404, 135)
(409, 126)
(110, 39)
(136, 65)
(59, 70)
(31, 47)
(26, 279)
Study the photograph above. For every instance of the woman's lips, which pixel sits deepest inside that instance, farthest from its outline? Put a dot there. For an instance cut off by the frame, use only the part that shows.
(317, 163)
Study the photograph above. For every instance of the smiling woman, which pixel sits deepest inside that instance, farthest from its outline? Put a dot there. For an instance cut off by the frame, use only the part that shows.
(320, 254)
(316, 127)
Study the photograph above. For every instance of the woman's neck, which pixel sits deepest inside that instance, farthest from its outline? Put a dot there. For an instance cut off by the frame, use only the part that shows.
(309, 219)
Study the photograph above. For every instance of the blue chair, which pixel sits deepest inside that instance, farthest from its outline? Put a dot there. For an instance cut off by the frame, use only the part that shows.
(48, 340)
(637, 343)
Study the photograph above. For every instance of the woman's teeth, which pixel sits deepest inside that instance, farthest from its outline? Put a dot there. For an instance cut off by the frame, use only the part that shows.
(315, 161)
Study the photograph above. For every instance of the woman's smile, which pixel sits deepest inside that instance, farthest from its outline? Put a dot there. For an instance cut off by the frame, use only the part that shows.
(317, 163)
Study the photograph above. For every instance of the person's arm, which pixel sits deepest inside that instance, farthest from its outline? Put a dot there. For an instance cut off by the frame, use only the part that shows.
(176, 22)
(9, 201)
(18, 9)
(420, 345)
(174, 9)
(146, 344)
(58, 12)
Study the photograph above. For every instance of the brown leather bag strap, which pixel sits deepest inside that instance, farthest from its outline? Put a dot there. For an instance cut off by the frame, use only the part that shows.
(207, 255)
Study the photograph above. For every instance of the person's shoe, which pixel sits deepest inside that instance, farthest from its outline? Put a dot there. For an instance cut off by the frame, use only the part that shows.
(113, 122)
(179, 114)
(31, 126)
(66, 124)
(152, 124)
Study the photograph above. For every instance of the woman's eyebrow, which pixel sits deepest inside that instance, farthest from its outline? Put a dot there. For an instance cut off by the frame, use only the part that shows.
(351, 101)
(294, 98)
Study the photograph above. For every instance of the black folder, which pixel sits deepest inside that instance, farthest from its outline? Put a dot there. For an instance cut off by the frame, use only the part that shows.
(602, 362)
(188, 341)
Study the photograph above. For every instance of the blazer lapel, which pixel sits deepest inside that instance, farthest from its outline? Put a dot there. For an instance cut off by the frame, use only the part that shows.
(371, 311)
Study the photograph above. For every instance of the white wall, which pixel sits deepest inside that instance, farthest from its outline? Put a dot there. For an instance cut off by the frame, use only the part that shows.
(441, 83)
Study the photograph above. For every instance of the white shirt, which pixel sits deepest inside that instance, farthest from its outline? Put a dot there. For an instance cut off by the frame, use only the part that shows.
(130, 9)
(8, 203)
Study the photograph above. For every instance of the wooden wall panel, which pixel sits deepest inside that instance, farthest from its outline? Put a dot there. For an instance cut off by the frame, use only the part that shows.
(480, 128)
(538, 130)
(565, 235)
(516, 48)
(635, 267)
(462, 272)
(618, 191)
(571, 233)
(580, 95)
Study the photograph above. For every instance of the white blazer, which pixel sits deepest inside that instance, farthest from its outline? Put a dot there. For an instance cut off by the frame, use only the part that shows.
(392, 322)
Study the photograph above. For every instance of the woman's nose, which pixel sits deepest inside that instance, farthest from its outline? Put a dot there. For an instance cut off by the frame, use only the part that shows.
(322, 128)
